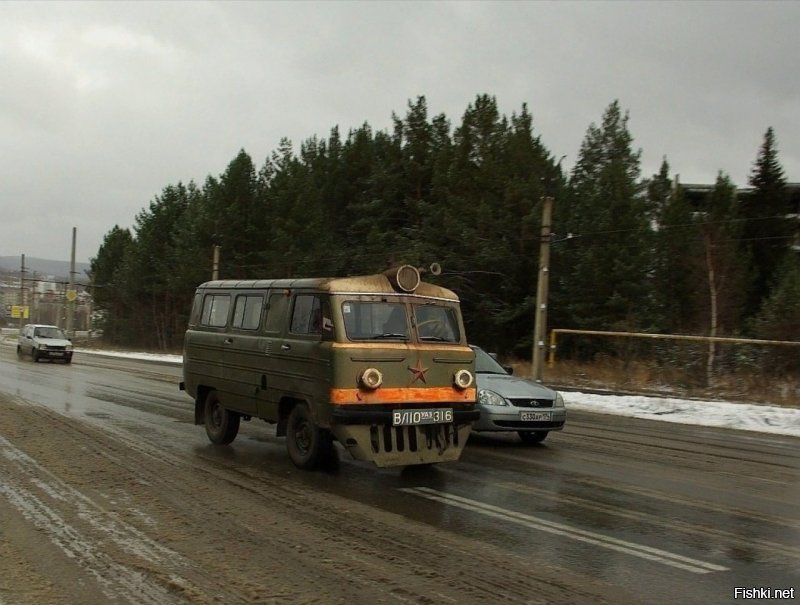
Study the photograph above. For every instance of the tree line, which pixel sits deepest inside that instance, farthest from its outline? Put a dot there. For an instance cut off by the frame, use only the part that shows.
(628, 253)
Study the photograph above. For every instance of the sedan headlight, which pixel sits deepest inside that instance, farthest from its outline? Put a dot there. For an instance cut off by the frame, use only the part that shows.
(487, 397)
(559, 401)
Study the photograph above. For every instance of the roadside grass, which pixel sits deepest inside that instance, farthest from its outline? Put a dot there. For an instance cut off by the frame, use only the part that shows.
(648, 378)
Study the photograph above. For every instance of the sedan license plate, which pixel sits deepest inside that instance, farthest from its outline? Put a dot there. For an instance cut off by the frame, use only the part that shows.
(415, 417)
(534, 416)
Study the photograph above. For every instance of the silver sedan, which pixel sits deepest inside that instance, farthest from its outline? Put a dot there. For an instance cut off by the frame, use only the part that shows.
(508, 403)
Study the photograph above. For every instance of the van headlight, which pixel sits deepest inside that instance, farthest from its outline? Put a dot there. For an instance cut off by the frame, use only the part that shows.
(463, 379)
(487, 397)
(371, 378)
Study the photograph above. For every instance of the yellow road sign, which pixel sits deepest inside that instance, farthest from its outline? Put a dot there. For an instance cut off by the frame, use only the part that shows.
(18, 311)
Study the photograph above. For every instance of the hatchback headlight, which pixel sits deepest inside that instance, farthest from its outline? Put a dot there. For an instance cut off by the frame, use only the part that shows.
(487, 397)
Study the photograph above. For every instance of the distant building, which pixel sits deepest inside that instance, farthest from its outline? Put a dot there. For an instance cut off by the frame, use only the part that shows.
(696, 195)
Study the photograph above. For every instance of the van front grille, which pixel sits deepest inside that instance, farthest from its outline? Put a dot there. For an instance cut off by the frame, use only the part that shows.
(387, 438)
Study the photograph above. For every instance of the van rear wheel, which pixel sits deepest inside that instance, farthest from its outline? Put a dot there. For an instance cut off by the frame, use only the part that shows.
(222, 425)
(308, 444)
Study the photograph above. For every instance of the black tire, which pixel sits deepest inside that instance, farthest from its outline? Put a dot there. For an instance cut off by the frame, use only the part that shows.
(35, 355)
(19, 351)
(222, 425)
(532, 436)
(309, 446)
(68, 360)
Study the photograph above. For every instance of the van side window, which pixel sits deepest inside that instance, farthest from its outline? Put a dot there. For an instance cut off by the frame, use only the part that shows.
(194, 316)
(306, 315)
(215, 310)
(247, 311)
(276, 313)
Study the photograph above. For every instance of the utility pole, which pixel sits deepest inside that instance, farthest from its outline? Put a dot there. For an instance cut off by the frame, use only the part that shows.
(22, 294)
(70, 293)
(215, 266)
(540, 313)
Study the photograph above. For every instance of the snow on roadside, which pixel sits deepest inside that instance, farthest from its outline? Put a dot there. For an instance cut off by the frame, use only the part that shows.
(725, 414)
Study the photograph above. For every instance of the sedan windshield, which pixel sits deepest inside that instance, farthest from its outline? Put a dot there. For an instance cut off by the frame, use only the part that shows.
(486, 364)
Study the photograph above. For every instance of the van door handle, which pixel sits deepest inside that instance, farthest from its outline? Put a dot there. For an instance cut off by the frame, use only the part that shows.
(285, 347)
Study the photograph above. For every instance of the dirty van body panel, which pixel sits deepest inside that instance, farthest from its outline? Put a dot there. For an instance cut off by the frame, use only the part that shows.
(297, 363)
(202, 359)
(299, 370)
(244, 364)
(390, 395)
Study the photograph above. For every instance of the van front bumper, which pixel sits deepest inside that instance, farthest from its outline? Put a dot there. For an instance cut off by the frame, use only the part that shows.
(384, 416)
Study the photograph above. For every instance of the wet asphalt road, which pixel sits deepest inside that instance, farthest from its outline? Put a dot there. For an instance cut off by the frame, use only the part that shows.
(665, 512)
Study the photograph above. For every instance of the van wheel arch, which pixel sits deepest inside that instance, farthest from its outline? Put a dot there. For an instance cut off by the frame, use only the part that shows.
(309, 445)
(200, 405)
(284, 409)
(222, 424)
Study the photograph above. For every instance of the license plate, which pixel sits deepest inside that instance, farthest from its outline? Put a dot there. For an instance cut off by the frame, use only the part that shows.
(57, 354)
(415, 417)
(534, 416)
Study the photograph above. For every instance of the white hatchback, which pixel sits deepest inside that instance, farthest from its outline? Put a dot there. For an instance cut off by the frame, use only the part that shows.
(42, 341)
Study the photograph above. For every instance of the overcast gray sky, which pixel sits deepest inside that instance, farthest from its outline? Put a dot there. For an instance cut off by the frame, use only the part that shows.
(103, 104)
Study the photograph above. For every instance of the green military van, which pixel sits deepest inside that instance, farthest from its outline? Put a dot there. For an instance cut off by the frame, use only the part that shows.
(379, 363)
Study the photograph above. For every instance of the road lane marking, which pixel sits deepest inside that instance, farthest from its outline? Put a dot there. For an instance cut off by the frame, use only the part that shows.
(581, 535)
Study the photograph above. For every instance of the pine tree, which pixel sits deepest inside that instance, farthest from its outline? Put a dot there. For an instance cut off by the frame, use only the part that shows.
(767, 231)
(779, 318)
(605, 269)
(677, 250)
(108, 289)
(236, 213)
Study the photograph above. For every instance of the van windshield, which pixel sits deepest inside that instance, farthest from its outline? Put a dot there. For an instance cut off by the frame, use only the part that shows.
(375, 320)
(436, 323)
(383, 320)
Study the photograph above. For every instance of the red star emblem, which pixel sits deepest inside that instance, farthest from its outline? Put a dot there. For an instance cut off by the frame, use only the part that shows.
(418, 371)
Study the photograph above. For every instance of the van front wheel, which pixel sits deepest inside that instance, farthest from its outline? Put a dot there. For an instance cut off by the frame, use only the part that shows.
(222, 425)
(308, 445)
